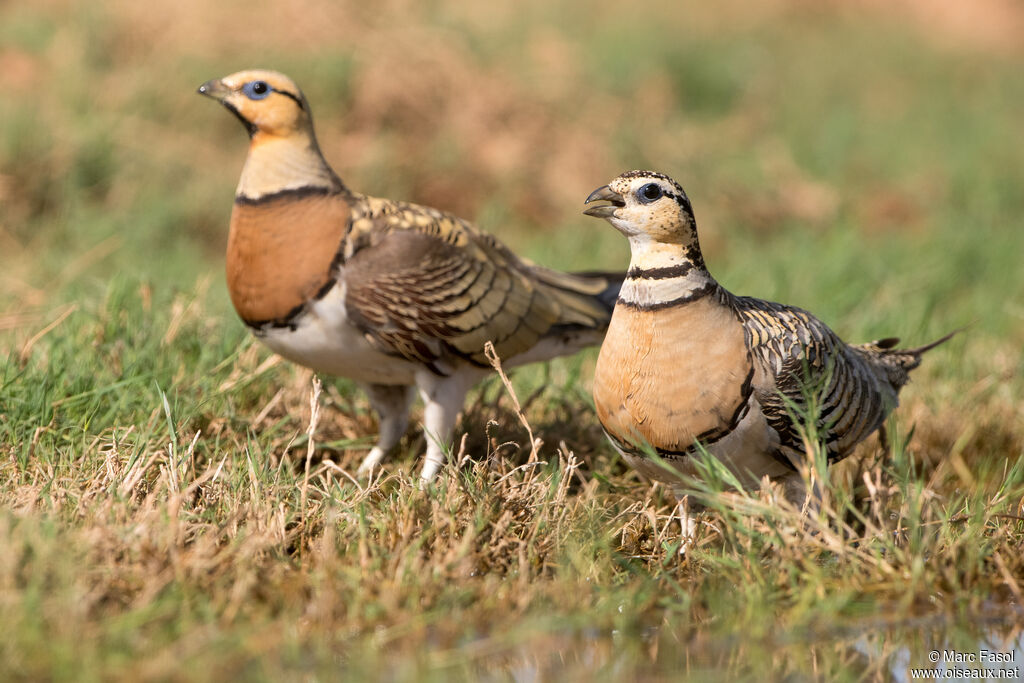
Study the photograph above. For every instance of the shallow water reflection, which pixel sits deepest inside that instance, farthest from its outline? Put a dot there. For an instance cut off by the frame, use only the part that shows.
(998, 654)
(934, 648)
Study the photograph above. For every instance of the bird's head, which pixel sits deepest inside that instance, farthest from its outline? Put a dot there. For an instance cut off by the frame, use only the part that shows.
(267, 102)
(644, 205)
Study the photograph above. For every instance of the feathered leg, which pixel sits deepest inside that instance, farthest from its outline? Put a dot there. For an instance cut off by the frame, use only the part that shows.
(392, 403)
(689, 516)
(443, 398)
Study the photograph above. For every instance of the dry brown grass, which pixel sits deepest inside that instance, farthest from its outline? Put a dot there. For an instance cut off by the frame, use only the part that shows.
(251, 563)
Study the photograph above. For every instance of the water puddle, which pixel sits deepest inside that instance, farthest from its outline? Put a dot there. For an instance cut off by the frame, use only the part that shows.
(998, 654)
(927, 649)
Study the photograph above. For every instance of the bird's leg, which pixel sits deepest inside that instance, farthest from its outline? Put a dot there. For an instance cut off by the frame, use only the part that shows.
(391, 402)
(794, 489)
(443, 398)
(689, 515)
(883, 441)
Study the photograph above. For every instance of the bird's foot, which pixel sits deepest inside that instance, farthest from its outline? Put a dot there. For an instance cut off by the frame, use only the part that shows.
(371, 462)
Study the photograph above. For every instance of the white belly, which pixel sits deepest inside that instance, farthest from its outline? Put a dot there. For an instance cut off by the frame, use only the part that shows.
(746, 451)
(325, 341)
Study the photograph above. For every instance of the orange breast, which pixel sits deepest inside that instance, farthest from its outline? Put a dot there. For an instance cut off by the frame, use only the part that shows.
(668, 376)
(280, 253)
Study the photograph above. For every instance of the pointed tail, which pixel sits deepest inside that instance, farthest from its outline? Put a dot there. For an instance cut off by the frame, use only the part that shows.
(586, 299)
(921, 350)
(896, 363)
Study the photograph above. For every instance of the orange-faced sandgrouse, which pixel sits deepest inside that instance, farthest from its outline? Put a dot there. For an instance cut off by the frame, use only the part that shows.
(394, 296)
(687, 362)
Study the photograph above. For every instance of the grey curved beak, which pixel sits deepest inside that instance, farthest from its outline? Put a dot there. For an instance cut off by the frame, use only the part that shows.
(604, 193)
(214, 88)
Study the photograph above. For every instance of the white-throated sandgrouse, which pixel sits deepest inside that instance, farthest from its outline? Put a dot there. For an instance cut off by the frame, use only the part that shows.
(395, 296)
(686, 362)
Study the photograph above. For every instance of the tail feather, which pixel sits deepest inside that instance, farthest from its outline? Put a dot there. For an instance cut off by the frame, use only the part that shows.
(583, 304)
(586, 299)
(887, 347)
(920, 350)
(894, 364)
(612, 281)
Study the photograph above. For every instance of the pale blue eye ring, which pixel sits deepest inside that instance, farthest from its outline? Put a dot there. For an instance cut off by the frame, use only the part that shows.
(257, 90)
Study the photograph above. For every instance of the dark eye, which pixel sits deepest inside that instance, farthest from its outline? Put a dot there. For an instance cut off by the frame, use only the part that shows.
(256, 90)
(649, 192)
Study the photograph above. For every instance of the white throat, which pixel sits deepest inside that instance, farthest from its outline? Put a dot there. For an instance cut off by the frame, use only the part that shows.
(278, 164)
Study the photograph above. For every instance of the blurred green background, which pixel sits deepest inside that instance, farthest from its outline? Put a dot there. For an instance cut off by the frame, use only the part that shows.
(864, 162)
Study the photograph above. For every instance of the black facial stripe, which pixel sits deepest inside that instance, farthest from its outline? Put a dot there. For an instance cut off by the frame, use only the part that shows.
(298, 100)
(679, 198)
(682, 200)
(249, 127)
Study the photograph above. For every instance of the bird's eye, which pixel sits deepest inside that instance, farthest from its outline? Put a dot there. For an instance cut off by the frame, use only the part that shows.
(256, 90)
(649, 193)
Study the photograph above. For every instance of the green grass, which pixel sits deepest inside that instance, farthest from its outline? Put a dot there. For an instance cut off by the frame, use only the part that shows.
(156, 520)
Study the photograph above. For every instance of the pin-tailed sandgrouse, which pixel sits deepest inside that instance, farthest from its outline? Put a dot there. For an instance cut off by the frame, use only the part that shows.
(395, 296)
(687, 362)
